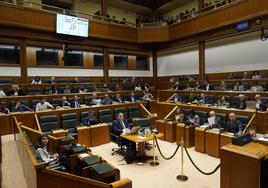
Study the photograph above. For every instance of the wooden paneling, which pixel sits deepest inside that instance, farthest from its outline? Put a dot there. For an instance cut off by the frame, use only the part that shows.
(153, 34)
(112, 31)
(223, 16)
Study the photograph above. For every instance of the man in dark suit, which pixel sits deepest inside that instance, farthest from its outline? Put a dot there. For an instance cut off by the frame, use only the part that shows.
(21, 107)
(131, 97)
(106, 100)
(118, 98)
(216, 122)
(64, 102)
(177, 86)
(260, 104)
(90, 119)
(120, 126)
(207, 86)
(75, 102)
(241, 103)
(233, 125)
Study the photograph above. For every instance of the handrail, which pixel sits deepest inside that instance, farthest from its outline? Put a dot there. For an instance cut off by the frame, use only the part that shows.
(249, 123)
(171, 112)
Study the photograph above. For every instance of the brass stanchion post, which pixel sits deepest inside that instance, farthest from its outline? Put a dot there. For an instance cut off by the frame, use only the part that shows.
(182, 177)
(154, 163)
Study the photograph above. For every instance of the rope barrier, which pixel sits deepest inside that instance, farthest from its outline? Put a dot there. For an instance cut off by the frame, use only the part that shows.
(201, 171)
(166, 158)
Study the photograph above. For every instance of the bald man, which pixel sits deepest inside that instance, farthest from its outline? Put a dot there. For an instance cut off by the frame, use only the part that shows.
(214, 121)
(233, 125)
(241, 103)
(260, 105)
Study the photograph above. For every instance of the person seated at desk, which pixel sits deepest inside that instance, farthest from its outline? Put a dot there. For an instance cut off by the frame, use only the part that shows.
(19, 107)
(238, 86)
(256, 75)
(222, 86)
(147, 87)
(52, 80)
(131, 97)
(2, 93)
(214, 121)
(43, 105)
(3, 108)
(222, 101)
(256, 87)
(36, 80)
(91, 119)
(147, 96)
(245, 76)
(95, 100)
(64, 102)
(201, 100)
(177, 86)
(260, 105)
(106, 100)
(75, 102)
(118, 88)
(175, 98)
(76, 80)
(105, 88)
(179, 116)
(241, 103)
(207, 86)
(138, 87)
(15, 90)
(197, 86)
(67, 90)
(193, 119)
(233, 125)
(118, 98)
(120, 125)
(42, 150)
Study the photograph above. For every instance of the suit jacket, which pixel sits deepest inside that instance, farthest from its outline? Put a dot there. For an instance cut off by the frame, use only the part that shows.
(262, 107)
(117, 127)
(106, 101)
(242, 105)
(234, 127)
(21, 108)
(204, 87)
(73, 104)
(178, 87)
(89, 120)
(176, 98)
(218, 123)
(119, 100)
(131, 98)
(11, 93)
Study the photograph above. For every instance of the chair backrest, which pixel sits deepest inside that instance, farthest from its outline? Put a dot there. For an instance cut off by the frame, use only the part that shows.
(48, 123)
(134, 112)
(34, 103)
(142, 122)
(83, 115)
(69, 120)
(6, 81)
(34, 91)
(56, 102)
(210, 99)
(122, 110)
(243, 119)
(186, 112)
(203, 116)
(222, 117)
(105, 116)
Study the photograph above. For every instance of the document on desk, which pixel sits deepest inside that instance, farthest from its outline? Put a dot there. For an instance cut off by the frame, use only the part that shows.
(262, 139)
(141, 137)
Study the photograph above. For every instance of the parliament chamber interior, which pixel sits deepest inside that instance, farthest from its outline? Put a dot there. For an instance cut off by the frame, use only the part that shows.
(128, 93)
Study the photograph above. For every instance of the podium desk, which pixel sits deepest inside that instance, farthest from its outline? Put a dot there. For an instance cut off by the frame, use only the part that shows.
(244, 166)
(160, 125)
(225, 138)
(141, 144)
(187, 133)
(199, 141)
(212, 143)
(170, 131)
(99, 134)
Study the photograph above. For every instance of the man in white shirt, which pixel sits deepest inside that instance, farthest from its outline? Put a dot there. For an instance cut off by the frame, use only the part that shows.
(2, 93)
(43, 105)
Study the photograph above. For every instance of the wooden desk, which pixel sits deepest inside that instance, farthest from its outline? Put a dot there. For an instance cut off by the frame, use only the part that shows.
(212, 143)
(199, 139)
(170, 131)
(100, 134)
(225, 138)
(187, 133)
(141, 143)
(161, 127)
(244, 166)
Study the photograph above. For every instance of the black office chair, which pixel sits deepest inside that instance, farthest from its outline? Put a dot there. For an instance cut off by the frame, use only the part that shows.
(70, 123)
(48, 124)
(203, 116)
